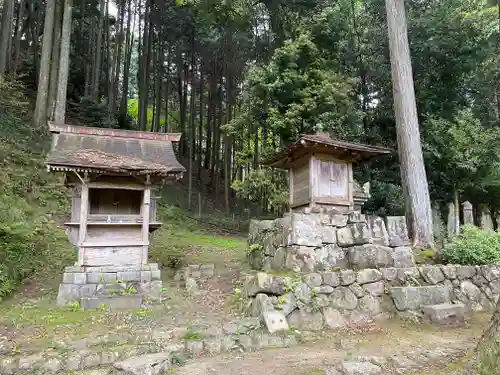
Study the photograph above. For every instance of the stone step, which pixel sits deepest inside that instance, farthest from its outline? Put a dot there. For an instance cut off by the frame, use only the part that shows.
(414, 297)
(445, 314)
(132, 301)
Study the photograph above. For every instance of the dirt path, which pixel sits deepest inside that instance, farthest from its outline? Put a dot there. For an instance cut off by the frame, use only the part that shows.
(405, 350)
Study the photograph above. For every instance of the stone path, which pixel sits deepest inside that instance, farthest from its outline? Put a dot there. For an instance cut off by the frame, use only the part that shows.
(389, 349)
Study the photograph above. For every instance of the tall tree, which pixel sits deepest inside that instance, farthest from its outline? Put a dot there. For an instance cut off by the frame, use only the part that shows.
(414, 179)
(43, 77)
(60, 111)
(5, 34)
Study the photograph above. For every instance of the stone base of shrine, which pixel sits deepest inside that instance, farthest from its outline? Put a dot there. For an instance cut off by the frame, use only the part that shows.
(116, 287)
(322, 241)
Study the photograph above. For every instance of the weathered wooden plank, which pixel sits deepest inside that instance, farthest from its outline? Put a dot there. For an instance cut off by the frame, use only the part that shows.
(112, 256)
(111, 233)
(145, 221)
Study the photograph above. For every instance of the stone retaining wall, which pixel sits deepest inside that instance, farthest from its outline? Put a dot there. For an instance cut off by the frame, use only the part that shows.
(113, 286)
(320, 300)
(319, 241)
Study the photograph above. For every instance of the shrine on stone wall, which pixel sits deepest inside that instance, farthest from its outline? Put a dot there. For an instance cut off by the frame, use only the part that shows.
(325, 227)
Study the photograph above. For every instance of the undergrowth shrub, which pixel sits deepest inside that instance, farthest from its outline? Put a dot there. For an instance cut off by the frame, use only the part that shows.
(473, 246)
(489, 359)
(30, 198)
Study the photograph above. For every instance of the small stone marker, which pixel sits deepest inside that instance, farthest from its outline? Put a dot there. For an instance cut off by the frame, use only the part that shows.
(468, 214)
(486, 220)
(275, 321)
(451, 224)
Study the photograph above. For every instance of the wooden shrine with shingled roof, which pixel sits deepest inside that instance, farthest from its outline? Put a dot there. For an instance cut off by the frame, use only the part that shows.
(321, 175)
(111, 175)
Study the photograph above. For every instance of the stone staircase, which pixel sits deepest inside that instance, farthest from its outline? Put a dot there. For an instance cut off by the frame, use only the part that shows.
(433, 303)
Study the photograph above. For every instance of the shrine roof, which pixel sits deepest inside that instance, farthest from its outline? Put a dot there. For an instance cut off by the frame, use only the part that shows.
(78, 148)
(322, 143)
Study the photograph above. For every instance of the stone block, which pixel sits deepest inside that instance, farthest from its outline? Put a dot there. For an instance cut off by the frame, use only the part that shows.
(306, 319)
(275, 321)
(356, 217)
(9, 366)
(192, 287)
(330, 256)
(343, 298)
(323, 289)
(78, 278)
(287, 303)
(476, 299)
(408, 274)
(128, 276)
(389, 274)
(101, 277)
(491, 272)
(313, 279)
(333, 318)
(30, 363)
(360, 368)
(112, 269)
(413, 298)
(403, 257)
(52, 365)
(207, 270)
(146, 276)
(306, 230)
(357, 290)
(466, 272)
(378, 231)
(260, 303)
(150, 364)
(345, 237)
(347, 277)
(331, 278)
(303, 294)
(446, 314)
(67, 294)
(338, 220)
(301, 258)
(397, 231)
(370, 305)
(449, 271)
(375, 289)
(432, 275)
(263, 283)
(112, 302)
(368, 276)
(370, 256)
(329, 234)
(155, 275)
(88, 290)
(91, 360)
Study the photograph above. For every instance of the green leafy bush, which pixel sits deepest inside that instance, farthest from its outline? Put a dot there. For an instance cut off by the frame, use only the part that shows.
(473, 246)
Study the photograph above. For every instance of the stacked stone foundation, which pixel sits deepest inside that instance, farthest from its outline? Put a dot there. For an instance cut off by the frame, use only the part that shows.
(321, 300)
(309, 242)
(116, 287)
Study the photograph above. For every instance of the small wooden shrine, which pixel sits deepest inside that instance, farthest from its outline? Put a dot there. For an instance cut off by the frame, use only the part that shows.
(111, 175)
(321, 174)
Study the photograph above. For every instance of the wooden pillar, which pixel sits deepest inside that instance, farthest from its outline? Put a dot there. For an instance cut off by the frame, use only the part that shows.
(145, 220)
(82, 232)
(350, 187)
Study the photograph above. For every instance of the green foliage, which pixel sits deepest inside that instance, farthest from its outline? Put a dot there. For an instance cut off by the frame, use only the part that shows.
(30, 198)
(264, 184)
(489, 358)
(192, 335)
(473, 246)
